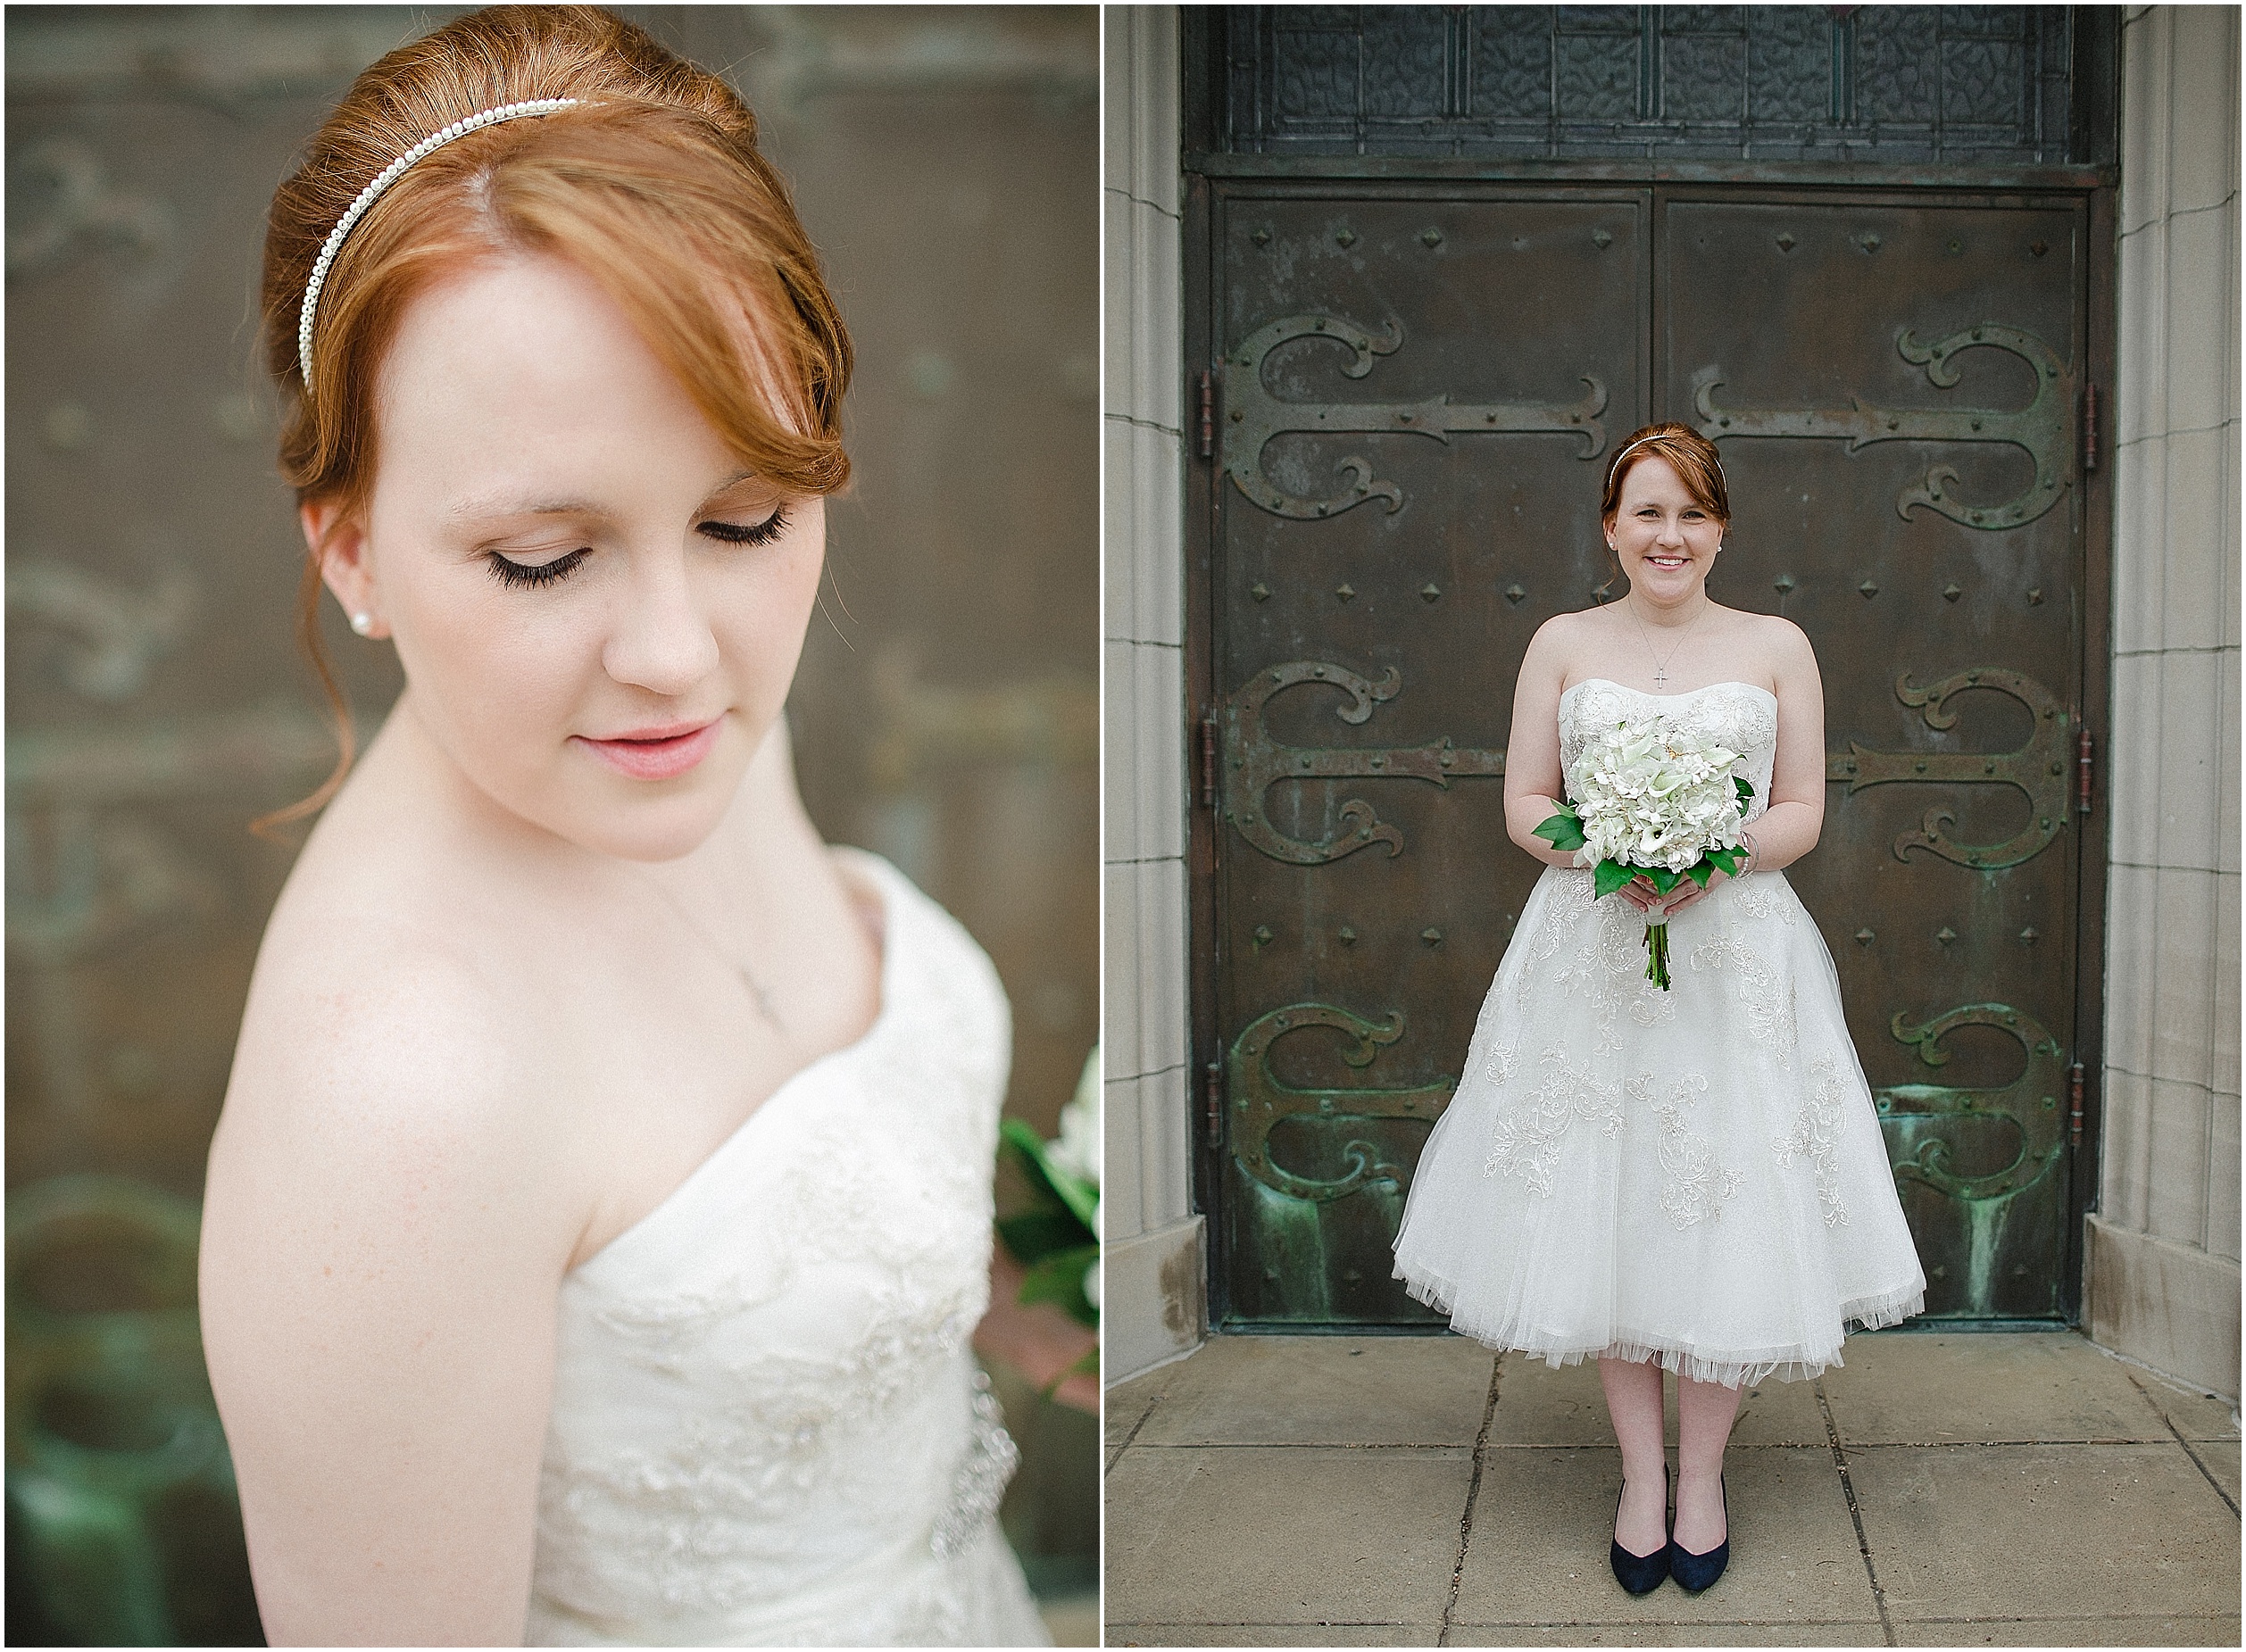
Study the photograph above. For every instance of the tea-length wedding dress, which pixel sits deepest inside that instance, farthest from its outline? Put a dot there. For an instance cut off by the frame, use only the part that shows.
(1694, 1175)
(768, 1428)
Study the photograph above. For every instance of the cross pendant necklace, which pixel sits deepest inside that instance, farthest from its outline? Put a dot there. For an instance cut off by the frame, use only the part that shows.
(758, 991)
(1660, 666)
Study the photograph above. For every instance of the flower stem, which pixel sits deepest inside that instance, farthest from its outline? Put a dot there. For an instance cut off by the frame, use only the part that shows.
(1656, 955)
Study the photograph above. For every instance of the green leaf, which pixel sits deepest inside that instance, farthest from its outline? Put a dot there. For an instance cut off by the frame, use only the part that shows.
(1078, 1195)
(1562, 831)
(1610, 875)
(1059, 1278)
(1727, 858)
(1019, 1142)
(1036, 1235)
(1664, 880)
(1746, 792)
(1699, 871)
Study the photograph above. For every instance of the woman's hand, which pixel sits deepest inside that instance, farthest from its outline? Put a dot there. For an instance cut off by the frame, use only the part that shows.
(1036, 1338)
(1641, 893)
(1660, 907)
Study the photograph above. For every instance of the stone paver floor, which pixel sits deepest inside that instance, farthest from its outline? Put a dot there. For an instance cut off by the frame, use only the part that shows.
(1960, 1489)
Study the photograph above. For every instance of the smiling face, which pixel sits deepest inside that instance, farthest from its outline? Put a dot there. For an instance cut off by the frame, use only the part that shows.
(598, 611)
(1666, 539)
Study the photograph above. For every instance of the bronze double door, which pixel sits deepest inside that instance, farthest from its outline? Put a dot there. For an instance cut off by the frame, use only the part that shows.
(1414, 393)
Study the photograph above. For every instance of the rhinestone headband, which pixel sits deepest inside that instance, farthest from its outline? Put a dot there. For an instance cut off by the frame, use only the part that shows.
(1641, 442)
(373, 191)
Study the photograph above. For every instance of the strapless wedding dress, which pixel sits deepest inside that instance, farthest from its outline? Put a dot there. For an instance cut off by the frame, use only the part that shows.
(1695, 1176)
(768, 1428)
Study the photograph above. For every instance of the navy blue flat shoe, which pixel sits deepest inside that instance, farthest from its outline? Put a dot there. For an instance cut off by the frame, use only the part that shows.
(1641, 1574)
(1695, 1573)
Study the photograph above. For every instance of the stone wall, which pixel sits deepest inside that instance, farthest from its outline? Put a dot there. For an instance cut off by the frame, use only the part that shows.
(1155, 1291)
(2162, 1251)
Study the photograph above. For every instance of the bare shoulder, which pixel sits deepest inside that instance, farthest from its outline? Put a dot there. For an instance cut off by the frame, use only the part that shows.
(384, 1078)
(1556, 641)
(1562, 630)
(1787, 639)
(1773, 642)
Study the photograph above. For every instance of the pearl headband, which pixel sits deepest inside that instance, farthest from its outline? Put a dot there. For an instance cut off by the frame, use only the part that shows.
(1656, 437)
(373, 191)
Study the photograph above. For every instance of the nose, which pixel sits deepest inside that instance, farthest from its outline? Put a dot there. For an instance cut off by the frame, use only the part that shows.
(661, 640)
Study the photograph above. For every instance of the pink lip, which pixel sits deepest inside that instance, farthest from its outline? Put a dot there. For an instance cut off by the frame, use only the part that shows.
(661, 753)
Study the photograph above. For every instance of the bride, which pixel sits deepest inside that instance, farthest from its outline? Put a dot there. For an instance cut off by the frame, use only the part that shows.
(1690, 1179)
(600, 1213)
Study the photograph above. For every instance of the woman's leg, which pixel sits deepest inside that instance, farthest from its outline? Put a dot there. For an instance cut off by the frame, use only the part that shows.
(1704, 1414)
(1633, 1402)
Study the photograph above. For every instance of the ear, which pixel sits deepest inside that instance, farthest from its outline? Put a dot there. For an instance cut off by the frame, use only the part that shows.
(339, 544)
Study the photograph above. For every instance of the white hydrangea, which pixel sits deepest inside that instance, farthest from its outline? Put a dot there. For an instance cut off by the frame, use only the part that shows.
(1076, 1148)
(1651, 794)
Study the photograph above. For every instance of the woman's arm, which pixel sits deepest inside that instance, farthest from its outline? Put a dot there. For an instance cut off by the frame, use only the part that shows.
(380, 1259)
(1533, 784)
(1788, 829)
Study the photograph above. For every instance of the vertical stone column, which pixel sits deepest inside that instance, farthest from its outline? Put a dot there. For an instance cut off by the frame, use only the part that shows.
(2162, 1250)
(1156, 1278)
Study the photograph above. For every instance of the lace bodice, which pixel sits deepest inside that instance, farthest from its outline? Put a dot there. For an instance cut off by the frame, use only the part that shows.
(1743, 716)
(767, 1426)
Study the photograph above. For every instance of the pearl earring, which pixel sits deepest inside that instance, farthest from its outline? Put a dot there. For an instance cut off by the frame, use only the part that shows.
(362, 623)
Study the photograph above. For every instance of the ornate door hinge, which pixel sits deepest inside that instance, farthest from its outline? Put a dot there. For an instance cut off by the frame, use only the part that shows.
(2089, 429)
(1918, 1117)
(2084, 768)
(2039, 429)
(1213, 1103)
(2075, 1105)
(1208, 413)
(1254, 417)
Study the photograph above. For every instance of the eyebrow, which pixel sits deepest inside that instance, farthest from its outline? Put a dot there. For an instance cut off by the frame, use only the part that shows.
(479, 506)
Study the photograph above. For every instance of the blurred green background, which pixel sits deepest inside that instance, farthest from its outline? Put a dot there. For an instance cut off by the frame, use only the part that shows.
(946, 161)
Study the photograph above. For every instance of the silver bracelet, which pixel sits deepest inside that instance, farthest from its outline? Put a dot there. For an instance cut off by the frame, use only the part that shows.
(1753, 855)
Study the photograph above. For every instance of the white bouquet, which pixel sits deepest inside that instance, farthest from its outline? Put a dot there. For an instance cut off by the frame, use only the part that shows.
(1654, 798)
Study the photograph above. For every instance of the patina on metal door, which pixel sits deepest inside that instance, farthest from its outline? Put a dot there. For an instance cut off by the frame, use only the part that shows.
(1414, 391)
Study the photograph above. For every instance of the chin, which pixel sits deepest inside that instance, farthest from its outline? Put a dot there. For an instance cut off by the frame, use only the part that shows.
(657, 829)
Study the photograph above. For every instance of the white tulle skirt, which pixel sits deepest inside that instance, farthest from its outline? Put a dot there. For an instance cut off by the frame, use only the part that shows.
(1694, 1177)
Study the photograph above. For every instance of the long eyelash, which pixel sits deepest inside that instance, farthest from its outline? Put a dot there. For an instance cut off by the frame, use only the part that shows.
(516, 575)
(752, 534)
